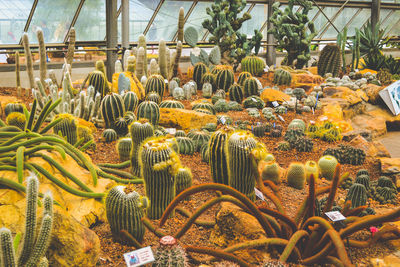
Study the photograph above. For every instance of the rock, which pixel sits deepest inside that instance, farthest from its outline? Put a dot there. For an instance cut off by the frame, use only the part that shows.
(4, 100)
(72, 244)
(352, 134)
(233, 226)
(388, 164)
(183, 119)
(392, 122)
(136, 85)
(372, 149)
(381, 149)
(271, 95)
(307, 78)
(376, 125)
(348, 110)
(372, 92)
(343, 92)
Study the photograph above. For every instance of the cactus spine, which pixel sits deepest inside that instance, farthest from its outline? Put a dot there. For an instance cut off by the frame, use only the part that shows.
(42, 56)
(149, 110)
(243, 76)
(7, 253)
(159, 165)
(28, 57)
(124, 212)
(140, 130)
(329, 60)
(109, 135)
(71, 46)
(296, 175)
(171, 104)
(16, 119)
(238, 148)
(162, 58)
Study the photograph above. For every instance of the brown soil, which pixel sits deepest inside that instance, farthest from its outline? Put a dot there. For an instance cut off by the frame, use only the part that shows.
(111, 252)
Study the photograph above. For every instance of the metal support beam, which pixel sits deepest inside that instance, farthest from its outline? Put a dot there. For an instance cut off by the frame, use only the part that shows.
(153, 17)
(375, 10)
(111, 35)
(125, 23)
(271, 49)
(74, 19)
(28, 21)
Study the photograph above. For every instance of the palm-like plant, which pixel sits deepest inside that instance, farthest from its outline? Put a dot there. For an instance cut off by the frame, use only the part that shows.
(372, 40)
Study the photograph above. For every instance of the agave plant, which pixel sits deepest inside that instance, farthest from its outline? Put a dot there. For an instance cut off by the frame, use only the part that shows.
(372, 40)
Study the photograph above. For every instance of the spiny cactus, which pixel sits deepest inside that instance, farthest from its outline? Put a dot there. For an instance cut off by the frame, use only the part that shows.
(358, 195)
(364, 180)
(17, 74)
(162, 58)
(28, 56)
(199, 138)
(42, 56)
(238, 148)
(225, 79)
(109, 135)
(155, 83)
(200, 69)
(205, 105)
(153, 96)
(98, 81)
(384, 181)
(183, 180)
(242, 77)
(329, 60)
(254, 65)
(139, 130)
(210, 78)
(218, 156)
(283, 146)
(296, 175)
(293, 135)
(121, 126)
(177, 58)
(102, 68)
(71, 46)
(253, 102)
(271, 171)
(169, 254)
(236, 93)
(112, 107)
(327, 165)
(207, 90)
(67, 128)
(186, 145)
(159, 165)
(142, 44)
(131, 101)
(304, 144)
(149, 110)
(250, 87)
(16, 119)
(181, 23)
(205, 153)
(311, 168)
(124, 210)
(282, 77)
(172, 104)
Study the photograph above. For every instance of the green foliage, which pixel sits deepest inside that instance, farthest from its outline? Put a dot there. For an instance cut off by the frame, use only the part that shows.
(149, 110)
(224, 27)
(282, 77)
(290, 31)
(109, 135)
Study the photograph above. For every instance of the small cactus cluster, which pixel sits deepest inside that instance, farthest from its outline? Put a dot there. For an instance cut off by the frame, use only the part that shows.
(328, 131)
(304, 144)
(293, 135)
(384, 76)
(346, 154)
(169, 253)
(296, 175)
(384, 191)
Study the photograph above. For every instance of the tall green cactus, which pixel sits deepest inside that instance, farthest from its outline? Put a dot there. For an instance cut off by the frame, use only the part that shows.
(67, 128)
(238, 148)
(183, 180)
(290, 31)
(17, 71)
(112, 107)
(28, 59)
(7, 253)
(71, 46)
(355, 51)
(198, 72)
(329, 60)
(139, 130)
(142, 43)
(162, 58)
(140, 64)
(341, 41)
(176, 59)
(159, 165)
(42, 55)
(181, 23)
(357, 195)
(124, 210)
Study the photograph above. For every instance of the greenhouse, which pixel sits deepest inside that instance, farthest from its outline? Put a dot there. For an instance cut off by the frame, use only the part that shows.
(199, 133)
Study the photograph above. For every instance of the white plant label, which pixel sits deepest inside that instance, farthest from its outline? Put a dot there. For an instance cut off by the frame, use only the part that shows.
(275, 104)
(255, 100)
(335, 216)
(281, 118)
(223, 120)
(171, 130)
(259, 194)
(139, 257)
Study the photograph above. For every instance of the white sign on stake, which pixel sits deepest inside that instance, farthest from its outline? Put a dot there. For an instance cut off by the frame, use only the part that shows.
(281, 118)
(171, 130)
(335, 216)
(223, 120)
(139, 257)
(259, 194)
(275, 104)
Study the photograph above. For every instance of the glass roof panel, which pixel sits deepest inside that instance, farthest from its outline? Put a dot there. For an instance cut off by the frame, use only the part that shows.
(165, 23)
(340, 22)
(54, 17)
(197, 17)
(321, 22)
(259, 15)
(13, 17)
(91, 23)
(358, 21)
(391, 24)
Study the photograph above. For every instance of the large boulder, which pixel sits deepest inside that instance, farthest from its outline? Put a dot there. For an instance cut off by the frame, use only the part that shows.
(233, 226)
(392, 121)
(372, 92)
(377, 125)
(184, 119)
(348, 110)
(270, 95)
(352, 97)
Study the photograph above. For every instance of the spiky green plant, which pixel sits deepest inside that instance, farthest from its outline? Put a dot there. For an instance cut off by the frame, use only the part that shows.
(169, 254)
(149, 110)
(296, 175)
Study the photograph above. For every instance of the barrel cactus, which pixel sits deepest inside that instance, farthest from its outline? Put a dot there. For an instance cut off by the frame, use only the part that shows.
(250, 87)
(242, 77)
(254, 65)
(149, 110)
(124, 148)
(296, 175)
(186, 145)
(67, 128)
(199, 138)
(282, 77)
(236, 93)
(183, 180)
(139, 130)
(131, 101)
(304, 144)
(225, 79)
(171, 104)
(357, 195)
(112, 107)
(253, 102)
(218, 156)
(169, 253)
(327, 165)
(271, 172)
(155, 83)
(311, 168)
(329, 60)
(200, 69)
(16, 119)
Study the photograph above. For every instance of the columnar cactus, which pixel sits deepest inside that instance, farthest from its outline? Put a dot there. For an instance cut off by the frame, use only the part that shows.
(225, 79)
(17, 73)
(181, 23)
(98, 81)
(364, 180)
(250, 87)
(183, 180)
(29, 62)
(102, 68)
(149, 110)
(200, 69)
(358, 195)
(140, 65)
(329, 60)
(131, 101)
(71, 46)
(159, 165)
(155, 83)
(282, 77)
(124, 210)
(238, 148)
(162, 58)
(218, 156)
(177, 58)
(296, 175)
(254, 65)
(139, 130)
(142, 43)
(67, 128)
(42, 56)
(327, 165)
(112, 107)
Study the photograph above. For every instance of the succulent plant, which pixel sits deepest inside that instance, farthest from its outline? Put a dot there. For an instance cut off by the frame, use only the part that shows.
(169, 254)
(254, 65)
(149, 110)
(296, 175)
(131, 101)
(283, 146)
(250, 87)
(200, 69)
(183, 180)
(329, 60)
(205, 153)
(293, 135)
(139, 130)
(258, 130)
(171, 104)
(358, 195)
(124, 148)
(186, 145)
(242, 77)
(327, 165)
(109, 135)
(205, 105)
(224, 79)
(282, 77)
(253, 102)
(199, 138)
(271, 171)
(311, 168)
(304, 144)
(236, 93)
(112, 107)
(16, 119)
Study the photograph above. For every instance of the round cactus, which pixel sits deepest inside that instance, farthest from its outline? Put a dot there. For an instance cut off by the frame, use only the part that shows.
(98, 81)
(109, 135)
(254, 65)
(169, 253)
(311, 168)
(225, 79)
(238, 148)
(283, 146)
(171, 104)
(204, 105)
(124, 148)
(130, 117)
(250, 87)
(293, 135)
(297, 124)
(276, 133)
(296, 175)
(253, 102)
(67, 128)
(236, 93)
(364, 180)
(205, 153)
(271, 171)
(159, 165)
(124, 210)
(362, 172)
(207, 90)
(183, 180)
(180, 133)
(153, 96)
(121, 126)
(282, 77)
(258, 130)
(199, 138)
(149, 110)
(112, 107)
(243, 76)
(13, 107)
(155, 83)
(357, 195)
(139, 130)
(327, 165)
(304, 144)
(16, 119)
(131, 101)
(200, 69)
(186, 145)
(384, 181)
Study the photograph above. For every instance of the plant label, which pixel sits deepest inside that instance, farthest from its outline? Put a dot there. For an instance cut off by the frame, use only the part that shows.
(275, 104)
(281, 118)
(139, 257)
(335, 216)
(259, 194)
(223, 120)
(171, 130)
(254, 100)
